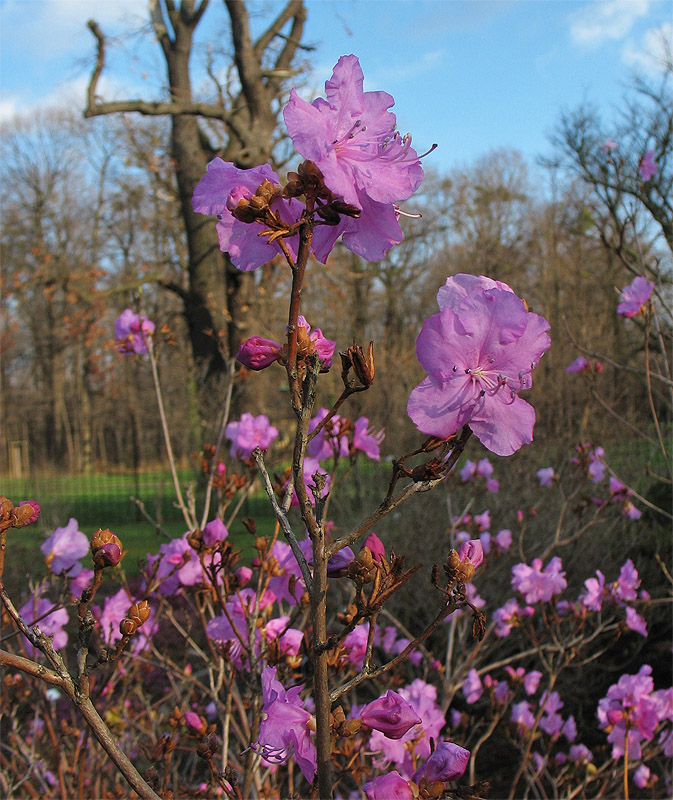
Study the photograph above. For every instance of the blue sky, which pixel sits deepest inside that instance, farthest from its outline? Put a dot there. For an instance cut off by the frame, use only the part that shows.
(471, 75)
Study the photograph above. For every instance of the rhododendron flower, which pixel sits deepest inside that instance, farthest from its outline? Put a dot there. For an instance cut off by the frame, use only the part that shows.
(628, 582)
(509, 616)
(635, 297)
(64, 548)
(531, 681)
(329, 441)
(366, 439)
(214, 532)
(479, 352)
(284, 730)
(257, 353)
(337, 565)
(311, 468)
(423, 698)
(133, 332)
(472, 686)
(115, 609)
(351, 138)
(545, 476)
(522, 716)
(447, 763)
(472, 551)
(34, 612)
(503, 540)
(248, 433)
(581, 754)
(36, 511)
(390, 714)
(536, 584)
(390, 786)
(594, 592)
(629, 700)
(647, 166)
(580, 364)
(635, 622)
(643, 778)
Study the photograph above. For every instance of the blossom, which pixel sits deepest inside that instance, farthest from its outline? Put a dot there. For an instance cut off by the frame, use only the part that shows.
(284, 730)
(531, 681)
(580, 364)
(64, 547)
(329, 442)
(472, 551)
(390, 786)
(522, 716)
(479, 352)
(367, 440)
(214, 532)
(635, 297)
(472, 686)
(115, 609)
(635, 622)
(51, 622)
(248, 433)
(133, 332)
(447, 763)
(545, 476)
(509, 616)
(643, 778)
(320, 344)
(33, 517)
(351, 138)
(503, 540)
(257, 353)
(647, 166)
(536, 584)
(391, 714)
(594, 592)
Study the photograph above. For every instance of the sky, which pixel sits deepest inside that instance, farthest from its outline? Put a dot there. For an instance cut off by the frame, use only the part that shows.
(469, 75)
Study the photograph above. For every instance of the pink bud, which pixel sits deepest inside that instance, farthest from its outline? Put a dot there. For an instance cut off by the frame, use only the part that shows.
(36, 510)
(243, 575)
(375, 545)
(236, 195)
(390, 714)
(257, 353)
(472, 551)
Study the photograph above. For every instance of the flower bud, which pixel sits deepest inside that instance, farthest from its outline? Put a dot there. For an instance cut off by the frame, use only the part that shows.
(376, 546)
(390, 714)
(127, 627)
(109, 555)
(140, 612)
(257, 353)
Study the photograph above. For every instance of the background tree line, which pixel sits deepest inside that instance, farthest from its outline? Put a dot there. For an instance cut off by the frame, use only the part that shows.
(97, 217)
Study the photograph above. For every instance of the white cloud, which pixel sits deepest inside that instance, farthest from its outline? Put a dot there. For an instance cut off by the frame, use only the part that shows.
(654, 50)
(602, 20)
(8, 107)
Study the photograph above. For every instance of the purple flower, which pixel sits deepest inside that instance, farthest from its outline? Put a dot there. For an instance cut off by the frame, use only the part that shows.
(447, 763)
(635, 622)
(330, 442)
(580, 753)
(483, 520)
(34, 612)
(531, 681)
(133, 332)
(647, 166)
(336, 566)
(509, 616)
(390, 714)
(311, 468)
(366, 439)
(351, 138)
(635, 297)
(248, 433)
(390, 786)
(580, 364)
(536, 584)
(285, 731)
(594, 592)
(468, 471)
(545, 476)
(317, 342)
(479, 352)
(522, 716)
(630, 699)
(214, 532)
(628, 582)
(503, 540)
(642, 777)
(64, 548)
(375, 546)
(472, 551)
(115, 609)
(257, 353)
(472, 687)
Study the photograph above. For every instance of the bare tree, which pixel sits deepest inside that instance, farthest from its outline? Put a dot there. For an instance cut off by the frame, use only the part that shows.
(244, 114)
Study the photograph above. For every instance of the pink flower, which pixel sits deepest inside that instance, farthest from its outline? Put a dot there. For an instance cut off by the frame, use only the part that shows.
(248, 433)
(580, 364)
(115, 609)
(509, 616)
(635, 622)
(390, 786)
(503, 540)
(472, 551)
(257, 353)
(545, 476)
(322, 346)
(375, 546)
(330, 442)
(447, 763)
(284, 730)
(635, 297)
(351, 138)
(472, 687)
(594, 592)
(366, 439)
(647, 166)
(479, 352)
(35, 612)
(391, 714)
(64, 548)
(643, 778)
(522, 716)
(630, 699)
(214, 532)
(536, 584)
(133, 332)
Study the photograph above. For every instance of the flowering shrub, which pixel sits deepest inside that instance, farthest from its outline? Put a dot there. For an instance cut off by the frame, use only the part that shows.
(287, 674)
